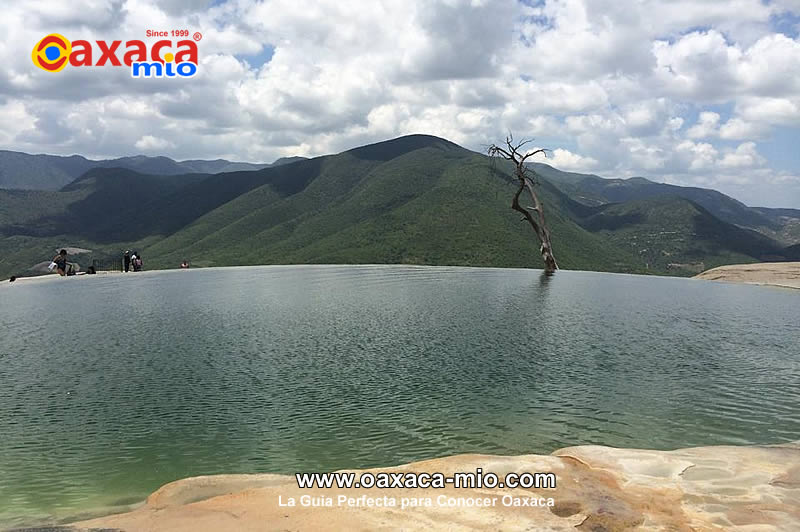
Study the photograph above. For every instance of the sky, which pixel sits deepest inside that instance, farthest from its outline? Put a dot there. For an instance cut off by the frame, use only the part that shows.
(690, 92)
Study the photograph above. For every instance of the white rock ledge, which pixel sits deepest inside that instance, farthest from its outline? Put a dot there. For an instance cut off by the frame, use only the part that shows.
(751, 488)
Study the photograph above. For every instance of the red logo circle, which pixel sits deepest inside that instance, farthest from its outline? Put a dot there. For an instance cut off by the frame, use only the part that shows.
(197, 36)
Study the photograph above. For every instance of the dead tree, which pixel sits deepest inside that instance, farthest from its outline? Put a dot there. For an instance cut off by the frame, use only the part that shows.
(528, 181)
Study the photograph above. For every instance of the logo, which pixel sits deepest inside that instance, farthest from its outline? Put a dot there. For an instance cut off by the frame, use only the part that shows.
(154, 69)
(51, 53)
(163, 59)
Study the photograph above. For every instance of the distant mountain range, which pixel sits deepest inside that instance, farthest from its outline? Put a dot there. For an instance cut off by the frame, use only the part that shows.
(416, 199)
(22, 171)
(780, 224)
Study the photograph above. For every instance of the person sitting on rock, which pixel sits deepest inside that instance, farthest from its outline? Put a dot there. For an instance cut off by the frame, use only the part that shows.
(61, 262)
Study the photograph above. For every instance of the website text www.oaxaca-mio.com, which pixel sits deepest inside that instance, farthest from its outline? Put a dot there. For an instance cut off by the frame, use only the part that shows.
(410, 480)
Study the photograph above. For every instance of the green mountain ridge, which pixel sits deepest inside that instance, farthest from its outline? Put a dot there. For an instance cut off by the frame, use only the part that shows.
(673, 233)
(416, 199)
(780, 224)
(22, 171)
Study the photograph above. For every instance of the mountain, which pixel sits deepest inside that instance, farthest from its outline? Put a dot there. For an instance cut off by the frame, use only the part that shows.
(39, 172)
(782, 225)
(287, 160)
(21, 171)
(788, 220)
(674, 234)
(792, 253)
(218, 166)
(417, 199)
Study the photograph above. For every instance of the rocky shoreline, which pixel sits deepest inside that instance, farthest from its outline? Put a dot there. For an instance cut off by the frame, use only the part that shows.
(598, 488)
(782, 274)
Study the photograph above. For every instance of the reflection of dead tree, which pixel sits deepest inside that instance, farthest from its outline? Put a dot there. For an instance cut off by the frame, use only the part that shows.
(527, 181)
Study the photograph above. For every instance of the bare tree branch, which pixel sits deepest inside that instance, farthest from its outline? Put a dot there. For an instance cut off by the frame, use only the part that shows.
(534, 215)
(535, 152)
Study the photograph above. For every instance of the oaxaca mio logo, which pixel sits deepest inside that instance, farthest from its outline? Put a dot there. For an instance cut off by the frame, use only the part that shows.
(163, 59)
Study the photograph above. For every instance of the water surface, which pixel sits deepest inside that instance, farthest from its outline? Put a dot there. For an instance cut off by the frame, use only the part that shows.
(111, 386)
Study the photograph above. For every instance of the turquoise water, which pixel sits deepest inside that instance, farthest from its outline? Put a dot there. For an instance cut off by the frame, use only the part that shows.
(111, 386)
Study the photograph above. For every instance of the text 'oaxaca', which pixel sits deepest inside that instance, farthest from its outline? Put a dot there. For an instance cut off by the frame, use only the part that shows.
(163, 59)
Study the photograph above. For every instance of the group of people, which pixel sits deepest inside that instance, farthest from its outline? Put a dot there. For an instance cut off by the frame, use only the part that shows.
(132, 260)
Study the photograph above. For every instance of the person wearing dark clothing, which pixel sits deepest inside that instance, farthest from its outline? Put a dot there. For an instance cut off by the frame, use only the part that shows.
(61, 262)
(126, 260)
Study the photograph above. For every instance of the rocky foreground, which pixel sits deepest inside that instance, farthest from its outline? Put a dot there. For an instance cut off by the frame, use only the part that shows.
(753, 488)
(784, 274)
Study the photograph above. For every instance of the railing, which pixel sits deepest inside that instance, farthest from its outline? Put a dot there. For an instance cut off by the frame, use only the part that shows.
(107, 264)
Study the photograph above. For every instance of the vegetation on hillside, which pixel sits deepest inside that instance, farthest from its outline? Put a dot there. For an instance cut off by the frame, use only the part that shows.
(22, 171)
(416, 200)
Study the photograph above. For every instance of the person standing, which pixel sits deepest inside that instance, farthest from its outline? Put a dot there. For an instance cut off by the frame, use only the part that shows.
(126, 260)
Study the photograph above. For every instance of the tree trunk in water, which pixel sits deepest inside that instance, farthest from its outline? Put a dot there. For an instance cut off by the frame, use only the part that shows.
(537, 222)
(534, 215)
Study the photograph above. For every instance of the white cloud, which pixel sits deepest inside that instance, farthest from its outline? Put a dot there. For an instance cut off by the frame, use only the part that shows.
(698, 67)
(646, 157)
(573, 162)
(757, 70)
(705, 127)
(745, 156)
(14, 120)
(617, 83)
(151, 143)
(770, 110)
(675, 123)
(698, 156)
(792, 6)
(738, 129)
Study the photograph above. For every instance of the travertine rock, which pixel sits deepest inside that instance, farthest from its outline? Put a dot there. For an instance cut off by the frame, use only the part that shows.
(598, 489)
(784, 274)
